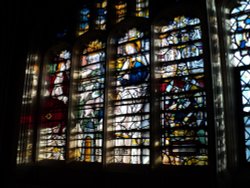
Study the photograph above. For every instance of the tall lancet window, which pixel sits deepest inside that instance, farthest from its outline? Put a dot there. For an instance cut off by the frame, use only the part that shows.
(129, 98)
(54, 104)
(180, 70)
(88, 99)
(240, 57)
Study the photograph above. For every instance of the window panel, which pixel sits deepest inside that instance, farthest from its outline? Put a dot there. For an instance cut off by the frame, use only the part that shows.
(130, 114)
(180, 71)
(142, 8)
(240, 26)
(239, 57)
(245, 99)
(87, 132)
(54, 113)
(84, 23)
(120, 10)
(101, 15)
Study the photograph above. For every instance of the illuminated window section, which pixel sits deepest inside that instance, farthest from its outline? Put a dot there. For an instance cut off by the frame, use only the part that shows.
(130, 109)
(142, 8)
(84, 21)
(180, 71)
(52, 140)
(120, 10)
(101, 19)
(245, 89)
(240, 27)
(240, 57)
(87, 133)
(25, 142)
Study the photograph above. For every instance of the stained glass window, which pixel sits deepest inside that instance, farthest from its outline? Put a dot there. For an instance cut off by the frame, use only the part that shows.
(120, 10)
(101, 14)
(27, 120)
(129, 98)
(245, 91)
(240, 57)
(142, 8)
(180, 69)
(99, 111)
(54, 107)
(87, 132)
(84, 20)
(240, 26)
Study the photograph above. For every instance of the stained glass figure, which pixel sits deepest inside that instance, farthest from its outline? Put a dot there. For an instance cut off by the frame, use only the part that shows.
(180, 71)
(27, 121)
(54, 114)
(87, 133)
(240, 57)
(129, 97)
